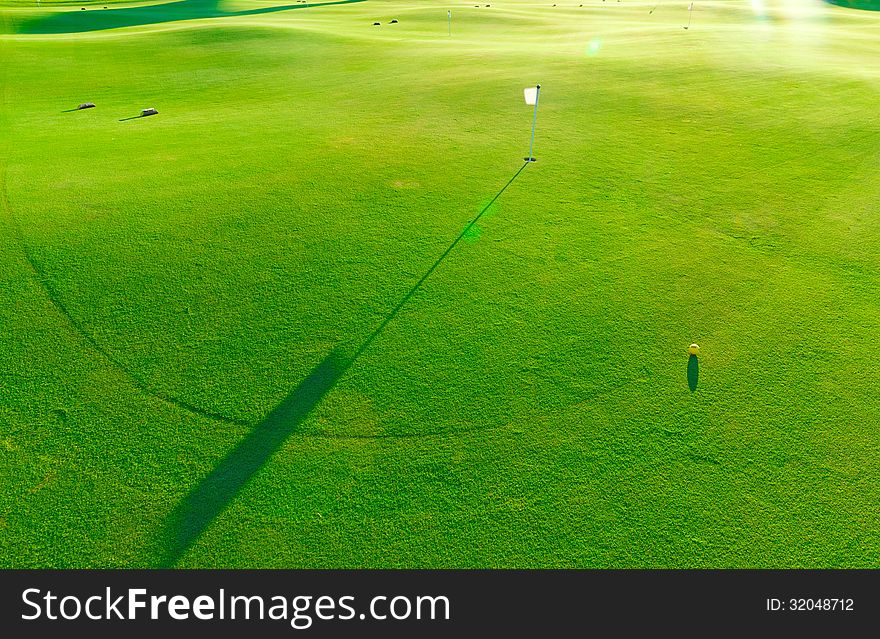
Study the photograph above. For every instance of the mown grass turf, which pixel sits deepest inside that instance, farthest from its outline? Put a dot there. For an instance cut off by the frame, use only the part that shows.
(171, 285)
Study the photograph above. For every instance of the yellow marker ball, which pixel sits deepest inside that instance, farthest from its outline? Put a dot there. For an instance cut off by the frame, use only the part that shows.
(694, 349)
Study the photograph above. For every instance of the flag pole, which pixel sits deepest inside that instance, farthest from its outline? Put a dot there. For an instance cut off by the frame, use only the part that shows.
(532, 158)
(449, 18)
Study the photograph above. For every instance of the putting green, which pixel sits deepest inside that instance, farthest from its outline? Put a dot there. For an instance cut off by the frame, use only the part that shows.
(219, 346)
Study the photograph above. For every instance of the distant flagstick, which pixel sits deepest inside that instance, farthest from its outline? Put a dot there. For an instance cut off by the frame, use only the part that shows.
(449, 18)
(690, 15)
(531, 96)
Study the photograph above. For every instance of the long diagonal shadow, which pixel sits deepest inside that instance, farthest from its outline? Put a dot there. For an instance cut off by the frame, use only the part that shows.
(192, 516)
(101, 20)
(202, 505)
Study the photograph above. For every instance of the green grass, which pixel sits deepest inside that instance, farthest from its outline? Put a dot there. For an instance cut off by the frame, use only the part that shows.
(168, 286)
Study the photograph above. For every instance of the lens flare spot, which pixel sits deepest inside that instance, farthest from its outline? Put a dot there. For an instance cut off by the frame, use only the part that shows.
(594, 46)
(473, 233)
(801, 9)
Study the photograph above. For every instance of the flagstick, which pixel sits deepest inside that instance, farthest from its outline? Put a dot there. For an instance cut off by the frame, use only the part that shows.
(531, 158)
(449, 16)
(690, 15)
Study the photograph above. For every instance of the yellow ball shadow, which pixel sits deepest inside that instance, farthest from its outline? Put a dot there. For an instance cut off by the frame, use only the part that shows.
(693, 372)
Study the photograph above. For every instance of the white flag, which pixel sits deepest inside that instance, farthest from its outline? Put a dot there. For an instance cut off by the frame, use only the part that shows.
(691, 8)
(531, 95)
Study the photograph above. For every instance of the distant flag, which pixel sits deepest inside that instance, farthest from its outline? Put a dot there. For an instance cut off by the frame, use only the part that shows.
(531, 96)
(690, 15)
(449, 20)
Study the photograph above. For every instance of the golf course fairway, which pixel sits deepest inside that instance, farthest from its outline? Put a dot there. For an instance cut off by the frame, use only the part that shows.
(264, 328)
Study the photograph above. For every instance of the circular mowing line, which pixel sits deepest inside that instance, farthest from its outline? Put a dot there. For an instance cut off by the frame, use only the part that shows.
(404, 436)
(79, 330)
(82, 333)
(41, 278)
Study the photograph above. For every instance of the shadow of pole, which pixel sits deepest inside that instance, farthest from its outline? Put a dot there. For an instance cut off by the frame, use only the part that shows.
(201, 506)
(434, 266)
(192, 516)
(693, 372)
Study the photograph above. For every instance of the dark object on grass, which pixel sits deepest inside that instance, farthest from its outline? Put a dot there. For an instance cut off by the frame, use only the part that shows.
(86, 105)
(376, 24)
(393, 22)
(150, 111)
(693, 372)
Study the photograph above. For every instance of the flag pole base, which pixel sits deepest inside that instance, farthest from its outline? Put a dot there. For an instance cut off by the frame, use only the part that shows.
(530, 159)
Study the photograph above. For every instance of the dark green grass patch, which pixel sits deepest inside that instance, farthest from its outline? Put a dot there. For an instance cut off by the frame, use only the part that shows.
(140, 15)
